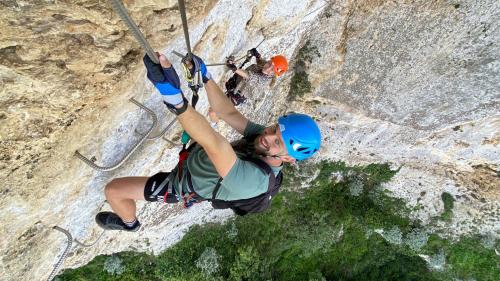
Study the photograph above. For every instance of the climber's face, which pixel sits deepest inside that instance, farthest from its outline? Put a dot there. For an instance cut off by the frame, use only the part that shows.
(271, 144)
(268, 68)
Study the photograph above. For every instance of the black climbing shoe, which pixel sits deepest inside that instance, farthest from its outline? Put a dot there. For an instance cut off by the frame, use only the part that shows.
(111, 221)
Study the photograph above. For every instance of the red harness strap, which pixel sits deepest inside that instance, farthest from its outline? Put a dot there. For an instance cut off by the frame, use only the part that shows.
(189, 199)
(183, 155)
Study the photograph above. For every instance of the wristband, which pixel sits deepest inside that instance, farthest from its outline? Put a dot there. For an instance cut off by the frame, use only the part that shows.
(178, 111)
(205, 78)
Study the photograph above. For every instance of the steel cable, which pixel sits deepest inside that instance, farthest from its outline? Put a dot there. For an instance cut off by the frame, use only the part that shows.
(122, 12)
(182, 10)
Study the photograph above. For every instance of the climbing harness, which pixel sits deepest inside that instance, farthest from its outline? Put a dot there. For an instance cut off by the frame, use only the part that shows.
(70, 239)
(134, 148)
(190, 198)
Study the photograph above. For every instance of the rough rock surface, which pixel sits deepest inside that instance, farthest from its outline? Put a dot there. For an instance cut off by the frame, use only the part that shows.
(413, 83)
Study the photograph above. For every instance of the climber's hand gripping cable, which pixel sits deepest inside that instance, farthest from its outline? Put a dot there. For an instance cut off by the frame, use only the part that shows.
(165, 79)
(218, 149)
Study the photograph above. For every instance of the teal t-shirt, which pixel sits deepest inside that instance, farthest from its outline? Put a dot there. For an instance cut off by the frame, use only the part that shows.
(244, 180)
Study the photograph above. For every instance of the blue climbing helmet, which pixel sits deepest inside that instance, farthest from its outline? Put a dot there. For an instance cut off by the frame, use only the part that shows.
(301, 135)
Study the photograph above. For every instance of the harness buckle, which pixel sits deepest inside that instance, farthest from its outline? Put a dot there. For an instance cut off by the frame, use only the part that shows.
(190, 199)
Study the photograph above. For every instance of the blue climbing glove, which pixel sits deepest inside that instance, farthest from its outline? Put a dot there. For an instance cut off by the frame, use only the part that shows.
(205, 75)
(165, 80)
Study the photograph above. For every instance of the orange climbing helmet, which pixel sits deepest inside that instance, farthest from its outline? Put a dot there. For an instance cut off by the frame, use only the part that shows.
(280, 64)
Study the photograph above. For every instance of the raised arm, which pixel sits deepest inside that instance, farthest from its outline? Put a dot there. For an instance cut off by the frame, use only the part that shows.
(219, 103)
(243, 73)
(224, 108)
(218, 149)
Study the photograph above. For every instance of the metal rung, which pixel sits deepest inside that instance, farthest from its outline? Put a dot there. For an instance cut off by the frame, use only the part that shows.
(64, 254)
(110, 168)
(162, 132)
(68, 247)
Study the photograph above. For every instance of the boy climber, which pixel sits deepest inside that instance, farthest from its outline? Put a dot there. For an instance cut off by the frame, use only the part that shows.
(250, 81)
(214, 169)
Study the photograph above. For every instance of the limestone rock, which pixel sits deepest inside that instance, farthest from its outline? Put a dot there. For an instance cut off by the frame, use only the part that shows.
(413, 83)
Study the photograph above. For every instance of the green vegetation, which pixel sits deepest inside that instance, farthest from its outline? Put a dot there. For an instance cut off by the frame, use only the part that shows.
(448, 206)
(300, 85)
(343, 227)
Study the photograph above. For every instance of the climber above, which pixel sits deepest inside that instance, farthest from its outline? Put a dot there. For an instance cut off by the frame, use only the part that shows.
(243, 175)
(246, 83)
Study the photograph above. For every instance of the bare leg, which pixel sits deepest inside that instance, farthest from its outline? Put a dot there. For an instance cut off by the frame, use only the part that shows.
(121, 194)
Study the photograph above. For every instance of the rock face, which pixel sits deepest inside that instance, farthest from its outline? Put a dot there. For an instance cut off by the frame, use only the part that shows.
(413, 83)
(403, 86)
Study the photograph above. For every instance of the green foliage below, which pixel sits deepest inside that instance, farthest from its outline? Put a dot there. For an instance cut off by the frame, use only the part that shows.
(448, 206)
(300, 85)
(321, 233)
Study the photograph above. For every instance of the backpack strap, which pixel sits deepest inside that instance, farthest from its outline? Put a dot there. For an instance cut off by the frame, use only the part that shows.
(216, 189)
